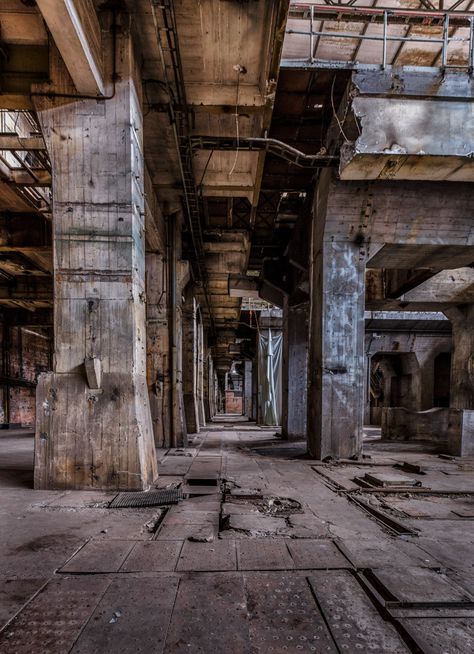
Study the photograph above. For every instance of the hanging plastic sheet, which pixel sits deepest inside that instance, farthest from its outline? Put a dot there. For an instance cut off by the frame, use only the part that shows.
(270, 348)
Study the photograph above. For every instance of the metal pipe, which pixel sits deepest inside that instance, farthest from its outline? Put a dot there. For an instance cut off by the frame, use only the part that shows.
(357, 37)
(385, 27)
(471, 46)
(173, 352)
(446, 39)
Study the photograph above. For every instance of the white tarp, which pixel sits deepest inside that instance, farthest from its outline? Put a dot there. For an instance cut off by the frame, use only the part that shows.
(270, 348)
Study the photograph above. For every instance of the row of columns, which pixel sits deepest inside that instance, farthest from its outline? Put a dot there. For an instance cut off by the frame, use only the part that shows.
(125, 367)
(131, 369)
(351, 221)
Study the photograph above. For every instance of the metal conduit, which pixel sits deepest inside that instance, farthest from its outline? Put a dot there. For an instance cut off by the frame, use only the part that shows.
(167, 39)
(273, 146)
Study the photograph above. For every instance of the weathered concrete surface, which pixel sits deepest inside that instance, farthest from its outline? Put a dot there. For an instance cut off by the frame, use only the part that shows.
(97, 438)
(461, 433)
(403, 136)
(425, 347)
(248, 389)
(295, 409)
(158, 350)
(190, 363)
(402, 424)
(166, 574)
(336, 333)
(462, 363)
(453, 429)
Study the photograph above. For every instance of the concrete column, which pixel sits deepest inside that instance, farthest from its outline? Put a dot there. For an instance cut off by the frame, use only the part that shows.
(255, 390)
(212, 387)
(206, 390)
(158, 373)
(462, 361)
(336, 332)
(247, 389)
(200, 368)
(94, 426)
(285, 370)
(294, 423)
(190, 364)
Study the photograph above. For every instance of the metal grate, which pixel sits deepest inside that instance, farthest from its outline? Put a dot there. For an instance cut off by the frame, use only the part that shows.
(150, 498)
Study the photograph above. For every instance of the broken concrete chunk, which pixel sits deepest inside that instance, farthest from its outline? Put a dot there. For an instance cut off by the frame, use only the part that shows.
(201, 538)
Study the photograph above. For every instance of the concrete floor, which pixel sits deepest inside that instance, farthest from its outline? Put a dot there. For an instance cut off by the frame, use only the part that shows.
(272, 552)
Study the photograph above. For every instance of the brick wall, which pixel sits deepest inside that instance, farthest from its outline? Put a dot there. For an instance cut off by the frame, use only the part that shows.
(233, 402)
(26, 353)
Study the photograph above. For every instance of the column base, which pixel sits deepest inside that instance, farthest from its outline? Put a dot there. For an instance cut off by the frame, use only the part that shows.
(99, 439)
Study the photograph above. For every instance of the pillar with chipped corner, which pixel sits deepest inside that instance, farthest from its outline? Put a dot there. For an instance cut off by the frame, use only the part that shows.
(94, 426)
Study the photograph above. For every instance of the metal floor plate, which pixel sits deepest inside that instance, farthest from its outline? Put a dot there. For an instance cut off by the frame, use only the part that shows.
(160, 497)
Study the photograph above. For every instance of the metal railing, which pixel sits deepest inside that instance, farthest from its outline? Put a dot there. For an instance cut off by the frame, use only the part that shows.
(25, 168)
(446, 25)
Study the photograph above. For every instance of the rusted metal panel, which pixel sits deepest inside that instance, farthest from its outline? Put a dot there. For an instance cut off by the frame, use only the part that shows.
(316, 555)
(283, 615)
(132, 617)
(99, 556)
(54, 619)
(218, 555)
(264, 555)
(354, 622)
(420, 585)
(153, 556)
(210, 611)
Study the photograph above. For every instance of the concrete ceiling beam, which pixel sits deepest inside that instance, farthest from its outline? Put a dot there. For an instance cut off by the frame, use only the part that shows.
(75, 28)
(447, 286)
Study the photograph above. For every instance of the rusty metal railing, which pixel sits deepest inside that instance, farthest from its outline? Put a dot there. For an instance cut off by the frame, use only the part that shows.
(445, 27)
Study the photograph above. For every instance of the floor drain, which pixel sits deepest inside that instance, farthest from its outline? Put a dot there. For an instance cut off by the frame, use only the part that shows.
(149, 498)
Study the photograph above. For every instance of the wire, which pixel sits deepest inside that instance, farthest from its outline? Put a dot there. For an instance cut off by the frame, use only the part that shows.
(204, 172)
(334, 110)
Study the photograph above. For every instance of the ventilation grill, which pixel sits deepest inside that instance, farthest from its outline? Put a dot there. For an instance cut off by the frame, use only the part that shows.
(150, 498)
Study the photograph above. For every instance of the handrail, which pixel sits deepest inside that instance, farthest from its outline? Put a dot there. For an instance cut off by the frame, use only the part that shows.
(386, 19)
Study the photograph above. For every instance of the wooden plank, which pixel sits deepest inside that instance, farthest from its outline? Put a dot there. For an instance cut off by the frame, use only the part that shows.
(99, 556)
(354, 622)
(210, 615)
(316, 555)
(153, 556)
(283, 615)
(260, 554)
(217, 556)
(132, 617)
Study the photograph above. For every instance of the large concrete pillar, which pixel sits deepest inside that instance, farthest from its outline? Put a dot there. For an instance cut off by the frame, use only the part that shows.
(336, 331)
(247, 390)
(206, 389)
(190, 364)
(94, 426)
(200, 370)
(294, 418)
(158, 372)
(462, 360)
